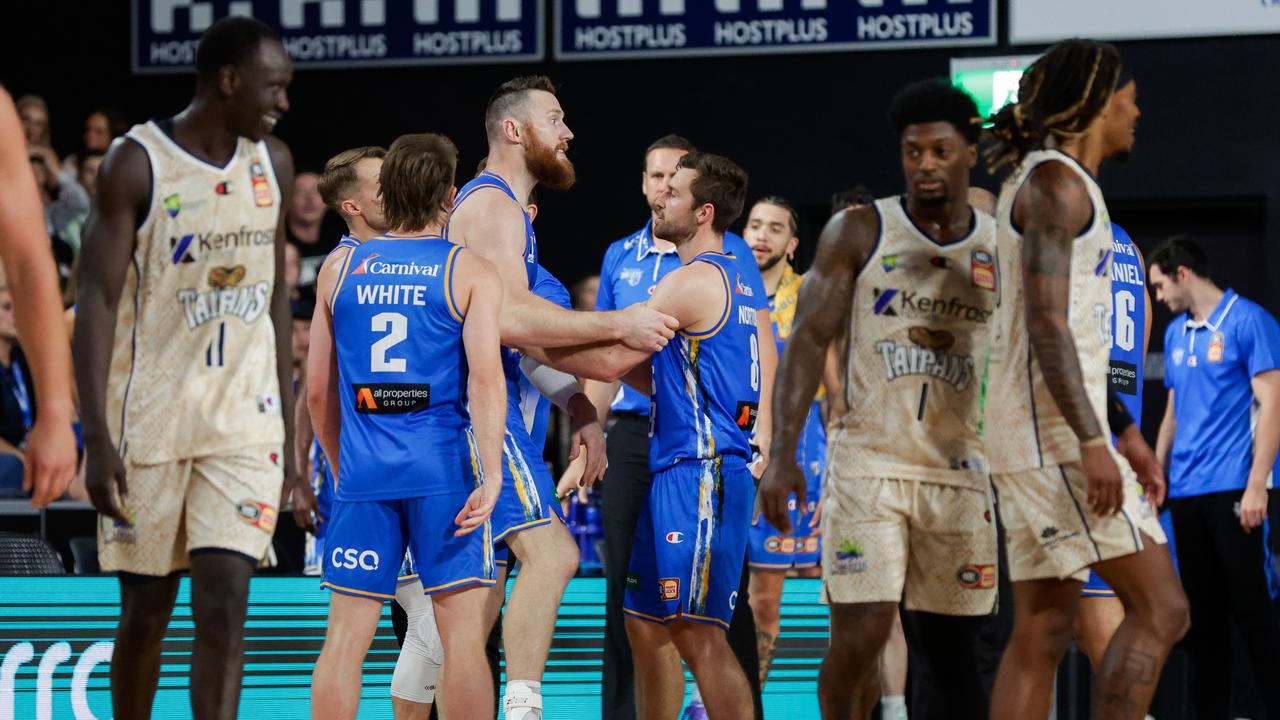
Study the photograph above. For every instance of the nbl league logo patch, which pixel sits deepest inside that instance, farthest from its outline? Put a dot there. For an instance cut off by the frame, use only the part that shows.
(261, 188)
(391, 398)
(982, 268)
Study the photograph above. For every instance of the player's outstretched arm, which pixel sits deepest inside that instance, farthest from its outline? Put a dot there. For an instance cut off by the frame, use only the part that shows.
(107, 246)
(768, 346)
(50, 459)
(822, 309)
(492, 226)
(322, 363)
(478, 282)
(1052, 208)
(281, 318)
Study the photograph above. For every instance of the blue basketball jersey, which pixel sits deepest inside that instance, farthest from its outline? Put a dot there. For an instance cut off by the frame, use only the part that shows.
(706, 386)
(1128, 321)
(510, 356)
(402, 372)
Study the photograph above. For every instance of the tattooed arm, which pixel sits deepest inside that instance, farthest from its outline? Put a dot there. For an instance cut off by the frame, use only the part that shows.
(826, 298)
(1052, 208)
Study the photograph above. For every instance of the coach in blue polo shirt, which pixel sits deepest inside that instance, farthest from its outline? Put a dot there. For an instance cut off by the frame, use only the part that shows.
(1218, 439)
(631, 270)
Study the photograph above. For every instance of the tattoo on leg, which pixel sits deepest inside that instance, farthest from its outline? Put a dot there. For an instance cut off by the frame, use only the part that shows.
(764, 648)
(1131, 685)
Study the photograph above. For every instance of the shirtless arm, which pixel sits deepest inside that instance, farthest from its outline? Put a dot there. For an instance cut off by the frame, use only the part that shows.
(322, 363)
(826, 298)
(768, 347)
(50, 461)
(109, 237)
(1052, 208)
(492, 226)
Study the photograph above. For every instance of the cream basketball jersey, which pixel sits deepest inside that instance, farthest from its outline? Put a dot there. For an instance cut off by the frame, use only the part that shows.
(1024, 429)
(193, 371)
(920, 329)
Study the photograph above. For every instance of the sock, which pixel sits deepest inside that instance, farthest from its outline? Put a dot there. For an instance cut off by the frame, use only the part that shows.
(893, 707)
(522, 700)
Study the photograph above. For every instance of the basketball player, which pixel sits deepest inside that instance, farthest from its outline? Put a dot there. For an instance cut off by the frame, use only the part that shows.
(911, 283)
(349, 187)
(49, 457)
(528, 142)
(632, 268)
(771, 231)
(1101, 612)
(181, 384)
(1068, 499)
(692, 533)
(412, 308)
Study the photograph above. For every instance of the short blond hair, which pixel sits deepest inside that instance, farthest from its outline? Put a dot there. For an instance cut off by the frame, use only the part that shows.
(340, 173)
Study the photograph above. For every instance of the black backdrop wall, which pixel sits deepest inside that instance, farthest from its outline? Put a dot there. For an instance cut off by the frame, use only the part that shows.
(1207, 160)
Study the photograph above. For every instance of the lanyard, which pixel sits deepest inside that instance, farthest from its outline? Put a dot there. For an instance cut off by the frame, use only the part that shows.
(20, 392)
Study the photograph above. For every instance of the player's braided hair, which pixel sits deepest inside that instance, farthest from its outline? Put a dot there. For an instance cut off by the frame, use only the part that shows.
(1061, 94)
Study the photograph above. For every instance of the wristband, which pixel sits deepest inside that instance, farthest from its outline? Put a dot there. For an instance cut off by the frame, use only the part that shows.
(1093, 442)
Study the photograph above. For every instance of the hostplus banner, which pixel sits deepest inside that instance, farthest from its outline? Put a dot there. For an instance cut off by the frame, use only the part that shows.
(348, 33)
(594, 29)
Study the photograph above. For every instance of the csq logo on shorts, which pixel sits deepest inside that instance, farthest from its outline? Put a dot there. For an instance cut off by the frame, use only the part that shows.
(670, 588)
(351, 558)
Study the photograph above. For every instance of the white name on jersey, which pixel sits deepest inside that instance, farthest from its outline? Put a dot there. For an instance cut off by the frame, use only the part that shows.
(247, 303)
(391, 294)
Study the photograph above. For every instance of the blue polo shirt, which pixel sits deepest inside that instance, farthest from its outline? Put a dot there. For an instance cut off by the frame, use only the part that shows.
(1209, 366)
(631, 270)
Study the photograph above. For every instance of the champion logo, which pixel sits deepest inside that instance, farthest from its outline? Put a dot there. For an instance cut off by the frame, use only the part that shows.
(222, 188)
(675, 537)
(883, 300)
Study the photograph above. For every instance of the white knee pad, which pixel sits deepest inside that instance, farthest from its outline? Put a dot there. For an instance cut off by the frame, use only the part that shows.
(418, 667)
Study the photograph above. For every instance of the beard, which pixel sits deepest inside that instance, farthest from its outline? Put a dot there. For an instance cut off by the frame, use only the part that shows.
(547, 169)
(770, 262)
(673, 232)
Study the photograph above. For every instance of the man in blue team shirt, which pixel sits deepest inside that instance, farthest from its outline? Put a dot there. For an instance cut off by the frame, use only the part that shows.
(409, 401)
(685, 570)
(632, 268)
(1218, 439)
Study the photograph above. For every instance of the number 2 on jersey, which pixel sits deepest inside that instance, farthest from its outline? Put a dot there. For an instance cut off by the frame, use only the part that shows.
(396, 327)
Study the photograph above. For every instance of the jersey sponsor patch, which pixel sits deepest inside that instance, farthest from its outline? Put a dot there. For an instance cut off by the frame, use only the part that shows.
(982, 268)
(849, 558)
(257, 514)
(1216, 347)
(1124, 377)
(745, 415)
(261, 188)
(173, 205)
(669, 588)
(391, 398)
(977, 577)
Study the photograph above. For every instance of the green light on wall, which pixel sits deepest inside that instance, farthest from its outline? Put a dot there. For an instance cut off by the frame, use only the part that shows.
(992, 81)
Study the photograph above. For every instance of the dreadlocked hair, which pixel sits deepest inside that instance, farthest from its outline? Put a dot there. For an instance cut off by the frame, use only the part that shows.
(1061, 94)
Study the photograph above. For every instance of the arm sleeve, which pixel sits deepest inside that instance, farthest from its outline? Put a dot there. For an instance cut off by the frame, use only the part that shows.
(1260, 342)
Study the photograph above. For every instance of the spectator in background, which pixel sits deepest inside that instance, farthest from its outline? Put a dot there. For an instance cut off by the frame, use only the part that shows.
(292, 269)
(306, 227)
(66, 205)
(100, 127)
(584, 292)
(87, 172)
(855, 196)
(17, 402)
(1218, 439)
(33, 112)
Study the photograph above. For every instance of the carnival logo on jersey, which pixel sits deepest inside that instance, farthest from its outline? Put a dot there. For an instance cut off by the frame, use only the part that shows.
(172, 205)
(391, 398)
(632, 276)
(741, 289)
(892, 302)
(849, 558)
(982, 269)
(226, 297)
(372, 266)
(929, 355)
(258, 180)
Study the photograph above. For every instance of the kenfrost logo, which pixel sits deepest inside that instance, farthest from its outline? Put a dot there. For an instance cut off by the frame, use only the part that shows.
(56, 654)
(892, 302)
(351, 558)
